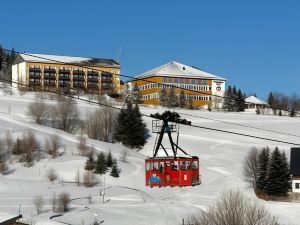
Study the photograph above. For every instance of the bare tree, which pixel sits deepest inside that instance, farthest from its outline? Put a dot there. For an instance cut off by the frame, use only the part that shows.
(51, 175)
(124, 155)
(53, 202)
(39, 203)
(234, 209)
(52, 145)
(67, 113)
(101, 124)
(29, 145)
(77, 178)
(89, 179)
(63, 202)
(250, 165)
(39, 111)
(82, 146)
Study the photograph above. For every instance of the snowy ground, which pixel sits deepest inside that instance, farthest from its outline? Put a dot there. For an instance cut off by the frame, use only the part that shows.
(128, 201)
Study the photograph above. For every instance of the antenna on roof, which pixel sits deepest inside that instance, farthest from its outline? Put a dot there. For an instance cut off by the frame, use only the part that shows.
(119, 54)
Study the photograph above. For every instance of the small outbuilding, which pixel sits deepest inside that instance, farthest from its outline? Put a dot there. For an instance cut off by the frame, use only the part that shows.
(254, 103)
(295, 169)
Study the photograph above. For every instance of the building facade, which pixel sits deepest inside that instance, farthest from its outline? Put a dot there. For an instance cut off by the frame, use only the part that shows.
(295, 169)
(199, 86)
(52, 72)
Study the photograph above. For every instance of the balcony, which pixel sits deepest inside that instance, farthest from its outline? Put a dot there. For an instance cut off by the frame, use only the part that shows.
(47, 83)
(64, 77)
(92, 85)
(34, 69)
(34, 82)
(76, 77)
(93, 78)
(50, 76)
(34, 75)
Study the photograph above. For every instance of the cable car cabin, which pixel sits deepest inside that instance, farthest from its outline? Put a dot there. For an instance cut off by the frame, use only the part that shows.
(170, 171)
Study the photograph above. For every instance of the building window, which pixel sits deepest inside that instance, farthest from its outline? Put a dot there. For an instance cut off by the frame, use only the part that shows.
(175, 80)
(187, 81)
(193, 81)
(170, 80)
(297, 185)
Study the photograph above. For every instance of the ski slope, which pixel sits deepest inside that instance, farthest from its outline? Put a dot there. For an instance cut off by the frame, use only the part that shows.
(127, 200)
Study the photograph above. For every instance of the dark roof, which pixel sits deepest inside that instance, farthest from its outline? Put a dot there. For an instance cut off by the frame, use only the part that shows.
(70, 60)
(295, 161)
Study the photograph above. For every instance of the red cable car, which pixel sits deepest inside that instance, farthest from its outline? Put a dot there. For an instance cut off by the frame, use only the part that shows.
(170, 170)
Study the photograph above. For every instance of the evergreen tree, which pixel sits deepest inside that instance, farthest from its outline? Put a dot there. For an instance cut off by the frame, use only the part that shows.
(292, 113)
(229, 100)
(189, 102)
(280, 113)
(172, 99)
(182, 99)
(115, 171)
(131, 129)
(136, 94)
(109, 160)
(285, 175)
(163, 96)
(137, 130)
(275, 184)
(262, 170)
(101, 166)
(240, 103)
(90, 164)
(271, 100)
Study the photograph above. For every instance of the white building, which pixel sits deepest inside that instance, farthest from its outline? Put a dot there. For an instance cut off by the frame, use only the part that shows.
(253, 103)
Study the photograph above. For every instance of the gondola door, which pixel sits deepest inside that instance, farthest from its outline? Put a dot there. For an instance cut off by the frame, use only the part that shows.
(168, 173)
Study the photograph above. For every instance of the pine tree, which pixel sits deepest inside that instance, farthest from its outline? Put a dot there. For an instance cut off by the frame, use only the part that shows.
(136, 94)
(280, 113)
(262, 170)
(101, 166)
(182, 99)
(115, 171)
(275, 184)
(90, 164)
(292, 113)
(138, 130)
(131, 129)
(285, 175)
(271, 100)
(229, 100)
(109, 160)
(240, 103)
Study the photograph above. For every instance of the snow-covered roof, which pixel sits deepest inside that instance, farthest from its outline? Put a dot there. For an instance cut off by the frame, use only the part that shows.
(175, 69)
(82, 61)
(4, 217)
(254, 100)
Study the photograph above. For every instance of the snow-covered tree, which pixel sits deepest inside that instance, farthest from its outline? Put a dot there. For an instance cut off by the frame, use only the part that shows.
(115, 171)
(172, 99)
(101, 166)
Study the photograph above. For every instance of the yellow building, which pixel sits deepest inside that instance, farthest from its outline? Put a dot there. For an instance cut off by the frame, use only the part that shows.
(53, 72)
(202, 86)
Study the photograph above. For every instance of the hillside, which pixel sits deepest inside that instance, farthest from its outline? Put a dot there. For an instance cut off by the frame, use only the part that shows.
(128, 200)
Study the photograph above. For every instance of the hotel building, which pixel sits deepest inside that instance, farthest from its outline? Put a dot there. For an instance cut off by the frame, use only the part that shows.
(53, 72)
(203, 88)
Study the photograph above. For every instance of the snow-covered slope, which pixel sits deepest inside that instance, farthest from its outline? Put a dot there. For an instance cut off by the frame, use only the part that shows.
(128, 200)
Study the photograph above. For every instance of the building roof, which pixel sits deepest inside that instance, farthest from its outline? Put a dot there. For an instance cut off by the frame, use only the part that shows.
(8, 218)
(295, 161)
(254, 100)
(175, 69)
(80, 61)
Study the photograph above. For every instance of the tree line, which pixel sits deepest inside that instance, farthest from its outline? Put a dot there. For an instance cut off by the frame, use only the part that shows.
(279, 101)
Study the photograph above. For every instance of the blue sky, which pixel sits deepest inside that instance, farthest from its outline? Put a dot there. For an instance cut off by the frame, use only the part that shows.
(254, 44)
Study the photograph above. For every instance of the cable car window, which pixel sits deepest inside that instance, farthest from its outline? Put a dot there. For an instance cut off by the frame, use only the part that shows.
(148, 166)
(155, 166)
(175, 165)
(195, 165)
(188, 165)
(183, 165)
(161, 167)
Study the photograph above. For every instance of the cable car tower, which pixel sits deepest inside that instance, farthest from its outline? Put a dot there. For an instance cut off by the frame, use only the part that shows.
(171, 169)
